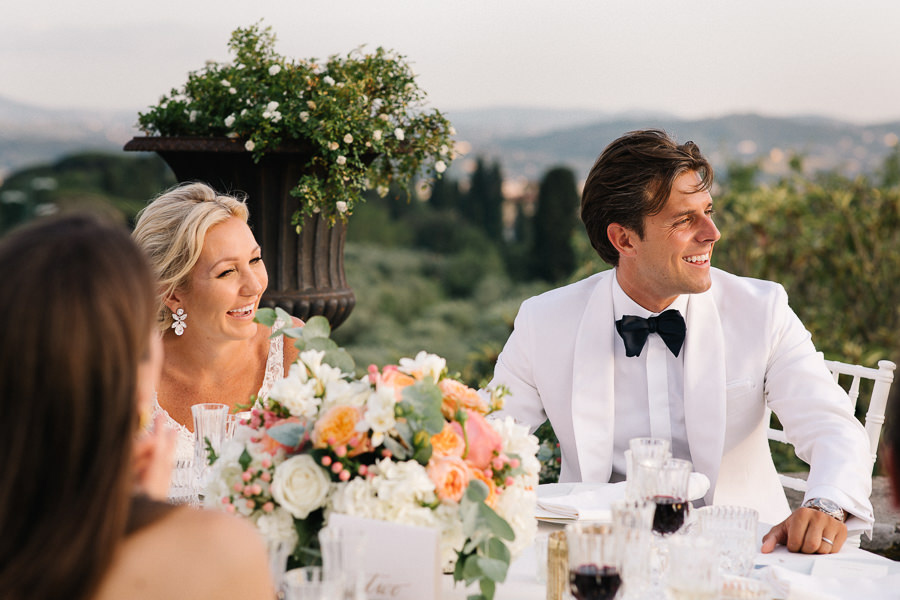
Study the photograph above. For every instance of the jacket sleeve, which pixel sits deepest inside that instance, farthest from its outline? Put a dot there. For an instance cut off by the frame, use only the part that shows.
(817, 417)
(514, 370)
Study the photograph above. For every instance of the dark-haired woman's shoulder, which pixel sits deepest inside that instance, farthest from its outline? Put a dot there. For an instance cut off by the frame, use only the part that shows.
(191, 554)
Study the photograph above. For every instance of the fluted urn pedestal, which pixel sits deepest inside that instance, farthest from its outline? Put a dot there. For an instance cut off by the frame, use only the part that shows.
(306, 271)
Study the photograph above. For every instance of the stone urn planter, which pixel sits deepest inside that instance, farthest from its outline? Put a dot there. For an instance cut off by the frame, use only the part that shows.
(306, 271)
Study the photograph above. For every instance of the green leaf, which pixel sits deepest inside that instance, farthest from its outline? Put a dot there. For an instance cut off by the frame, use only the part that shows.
(340, 359)
(245, 459)
(287, 434)
(421, 405)
(321, 344)
(265, 316)
(397, 449)
(488, 587)
(495, 523)
(317, 327)
(477, 491)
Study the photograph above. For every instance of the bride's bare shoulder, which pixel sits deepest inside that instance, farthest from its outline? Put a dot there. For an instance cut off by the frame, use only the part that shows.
(191, 554)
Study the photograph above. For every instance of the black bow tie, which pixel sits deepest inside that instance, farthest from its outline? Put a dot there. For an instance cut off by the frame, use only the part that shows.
(634, 331)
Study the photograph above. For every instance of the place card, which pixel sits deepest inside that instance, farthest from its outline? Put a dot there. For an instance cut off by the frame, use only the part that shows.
(842, 568)
(402, 562)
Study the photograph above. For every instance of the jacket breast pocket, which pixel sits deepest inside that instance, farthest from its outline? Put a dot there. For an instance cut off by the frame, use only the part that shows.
(744, 409)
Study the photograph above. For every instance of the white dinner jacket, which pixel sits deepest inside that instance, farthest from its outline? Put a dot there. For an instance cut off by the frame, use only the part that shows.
(744, 350)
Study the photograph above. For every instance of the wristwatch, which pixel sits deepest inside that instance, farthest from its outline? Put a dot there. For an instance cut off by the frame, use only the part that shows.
(826, 506)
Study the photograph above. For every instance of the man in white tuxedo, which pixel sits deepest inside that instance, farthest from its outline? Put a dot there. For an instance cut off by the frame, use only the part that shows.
(664, 345)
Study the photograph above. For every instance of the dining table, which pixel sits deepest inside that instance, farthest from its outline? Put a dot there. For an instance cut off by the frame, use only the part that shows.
(851, 574)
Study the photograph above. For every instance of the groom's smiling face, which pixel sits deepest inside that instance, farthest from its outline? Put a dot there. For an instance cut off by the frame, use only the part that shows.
(673, 258)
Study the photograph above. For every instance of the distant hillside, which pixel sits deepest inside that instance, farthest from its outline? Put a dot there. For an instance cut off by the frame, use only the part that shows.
(31, 135)
(824, 143)
(526, 141)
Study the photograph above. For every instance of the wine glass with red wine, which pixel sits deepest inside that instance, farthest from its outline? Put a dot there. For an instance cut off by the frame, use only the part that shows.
(667, 487)
(594, 562)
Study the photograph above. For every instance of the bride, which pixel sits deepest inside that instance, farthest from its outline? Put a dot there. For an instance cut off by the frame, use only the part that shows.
(211, 277)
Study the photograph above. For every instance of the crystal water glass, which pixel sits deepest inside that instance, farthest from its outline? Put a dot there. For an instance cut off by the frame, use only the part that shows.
(310, 583)
(209, 431)
(734, 528)
(632, 521)
(650, 452)
(693, 568)
(343, 559)
(594, 561)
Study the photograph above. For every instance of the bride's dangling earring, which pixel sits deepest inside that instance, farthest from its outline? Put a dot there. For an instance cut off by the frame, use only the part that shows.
(178, 323)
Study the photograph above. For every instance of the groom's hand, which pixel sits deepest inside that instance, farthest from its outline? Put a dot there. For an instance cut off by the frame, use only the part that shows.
(808, 531)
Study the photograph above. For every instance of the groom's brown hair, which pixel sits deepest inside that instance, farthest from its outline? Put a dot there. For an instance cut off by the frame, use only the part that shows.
(632, 179)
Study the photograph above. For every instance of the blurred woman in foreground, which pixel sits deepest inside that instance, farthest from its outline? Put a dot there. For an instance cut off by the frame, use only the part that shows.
(79, 357)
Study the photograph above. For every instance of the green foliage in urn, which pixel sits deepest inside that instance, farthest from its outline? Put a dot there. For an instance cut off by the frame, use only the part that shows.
(361, 116)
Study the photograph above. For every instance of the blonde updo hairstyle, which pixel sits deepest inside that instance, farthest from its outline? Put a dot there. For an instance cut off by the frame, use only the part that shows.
(172, 230)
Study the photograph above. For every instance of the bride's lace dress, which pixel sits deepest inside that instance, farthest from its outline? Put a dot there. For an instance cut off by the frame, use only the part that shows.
(184, 451)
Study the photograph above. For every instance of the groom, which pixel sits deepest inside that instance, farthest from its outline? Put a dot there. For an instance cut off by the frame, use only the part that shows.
(664, 345)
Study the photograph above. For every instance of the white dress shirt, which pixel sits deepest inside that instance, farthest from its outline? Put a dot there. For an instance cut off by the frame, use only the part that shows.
(649, 388)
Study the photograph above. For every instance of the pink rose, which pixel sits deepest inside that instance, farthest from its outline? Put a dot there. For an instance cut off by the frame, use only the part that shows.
(483, 441)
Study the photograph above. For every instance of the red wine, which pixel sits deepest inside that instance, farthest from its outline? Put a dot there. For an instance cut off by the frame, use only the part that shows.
(590, 582)
(669, 515)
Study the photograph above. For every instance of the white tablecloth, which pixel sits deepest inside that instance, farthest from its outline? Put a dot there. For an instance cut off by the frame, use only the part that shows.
(851, 574)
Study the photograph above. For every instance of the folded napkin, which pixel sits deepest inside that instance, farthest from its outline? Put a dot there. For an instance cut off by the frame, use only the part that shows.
(792, 585)
(591, 505)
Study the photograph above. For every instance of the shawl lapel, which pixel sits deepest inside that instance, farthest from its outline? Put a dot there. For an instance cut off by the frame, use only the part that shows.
(592, 384)
(704, 386)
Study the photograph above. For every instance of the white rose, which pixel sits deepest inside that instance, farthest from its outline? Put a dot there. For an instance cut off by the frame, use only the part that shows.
(333, 145)
(376, 135)
(232, 91)
(348, 139)
(229, 120)
(398, 133)
(304, 116)
(274, 70)
(300, 485)
(342, 160)
(226, 83)
(440, 166)
(249, 146)
(311, 105)
(193, 116)
(272, 106)
(340, 204)
(327, 79)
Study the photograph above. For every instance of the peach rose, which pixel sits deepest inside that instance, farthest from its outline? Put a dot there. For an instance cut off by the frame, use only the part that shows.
(458, 395)
(482, 440)
(448, 442)
(450, 476)
(397, 380)
(337, 427)
(492, 488)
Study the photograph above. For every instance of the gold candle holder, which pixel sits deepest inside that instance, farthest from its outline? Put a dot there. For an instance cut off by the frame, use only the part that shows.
(557, 566)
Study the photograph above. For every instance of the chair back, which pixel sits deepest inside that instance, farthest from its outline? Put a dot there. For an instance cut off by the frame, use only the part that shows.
(843, 373)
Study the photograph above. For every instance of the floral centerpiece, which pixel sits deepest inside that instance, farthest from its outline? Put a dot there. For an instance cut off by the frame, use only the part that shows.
(405, 443)
(362, 117)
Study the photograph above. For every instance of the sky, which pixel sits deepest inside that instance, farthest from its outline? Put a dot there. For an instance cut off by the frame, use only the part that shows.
(691, 58)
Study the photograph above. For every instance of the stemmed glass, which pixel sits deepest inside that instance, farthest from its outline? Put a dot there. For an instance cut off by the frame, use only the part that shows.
(647, 452)
(594, 561)
(209, 431)
(310, 583)
(632, 521)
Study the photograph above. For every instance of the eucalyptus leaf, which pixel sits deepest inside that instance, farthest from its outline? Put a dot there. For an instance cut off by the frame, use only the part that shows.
(321, 344)
(265, 316)
(497, 549)
(287, 434)
(340, 359)
(317, 327)
(492, 568)
(495, 523)
(397, 449)
(422, 404)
